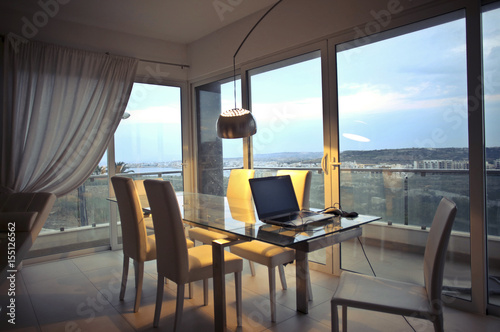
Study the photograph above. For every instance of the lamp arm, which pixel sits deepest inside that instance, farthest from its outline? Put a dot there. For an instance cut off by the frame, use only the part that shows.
(249, 32)
(244, 40)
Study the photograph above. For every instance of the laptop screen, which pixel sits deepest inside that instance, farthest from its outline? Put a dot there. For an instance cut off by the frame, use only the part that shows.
(273, 196)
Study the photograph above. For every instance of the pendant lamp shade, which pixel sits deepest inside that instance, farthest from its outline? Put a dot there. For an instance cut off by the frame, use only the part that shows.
(236, 123)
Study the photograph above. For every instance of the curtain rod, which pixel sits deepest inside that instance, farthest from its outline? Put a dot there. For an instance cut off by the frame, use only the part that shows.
(161, 62)
(166, 63)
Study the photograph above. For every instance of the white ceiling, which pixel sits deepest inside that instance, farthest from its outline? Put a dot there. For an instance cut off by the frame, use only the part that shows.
(179, 21)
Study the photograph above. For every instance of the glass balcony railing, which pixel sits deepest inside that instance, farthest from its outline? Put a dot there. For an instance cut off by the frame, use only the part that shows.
(80, 219)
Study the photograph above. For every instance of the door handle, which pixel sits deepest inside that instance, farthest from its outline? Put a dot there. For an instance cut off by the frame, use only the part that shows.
(335, 163)
(324, 165)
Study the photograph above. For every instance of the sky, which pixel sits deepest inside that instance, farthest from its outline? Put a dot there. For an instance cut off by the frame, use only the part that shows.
(404, 91)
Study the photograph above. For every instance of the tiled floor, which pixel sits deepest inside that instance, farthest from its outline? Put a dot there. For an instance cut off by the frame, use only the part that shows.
(81, 294)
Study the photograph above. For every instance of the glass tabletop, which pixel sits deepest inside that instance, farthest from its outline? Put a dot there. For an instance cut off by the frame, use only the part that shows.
(238, 217)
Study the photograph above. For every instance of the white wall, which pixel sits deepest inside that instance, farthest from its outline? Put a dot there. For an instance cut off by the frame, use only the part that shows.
(101, 40)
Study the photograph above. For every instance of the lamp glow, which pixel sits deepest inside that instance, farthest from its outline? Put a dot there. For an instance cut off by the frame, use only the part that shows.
(236, 123)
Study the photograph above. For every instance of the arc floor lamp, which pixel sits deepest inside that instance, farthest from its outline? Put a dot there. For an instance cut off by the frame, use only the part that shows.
(239, 122)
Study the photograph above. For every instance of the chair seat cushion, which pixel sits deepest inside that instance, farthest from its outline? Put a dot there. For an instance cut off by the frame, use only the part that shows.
(264, 253)
(204, 235)
(151, 253)
(379, 294)
(148, 221)
(200, 263)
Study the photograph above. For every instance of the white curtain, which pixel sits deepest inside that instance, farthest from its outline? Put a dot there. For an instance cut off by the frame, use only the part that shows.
(61, 107)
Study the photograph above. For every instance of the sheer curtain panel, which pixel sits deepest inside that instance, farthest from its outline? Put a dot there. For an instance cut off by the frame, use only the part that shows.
(60, 109)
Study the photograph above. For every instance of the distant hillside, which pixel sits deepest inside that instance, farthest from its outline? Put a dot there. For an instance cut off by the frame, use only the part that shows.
(392, 156)
(290, 157)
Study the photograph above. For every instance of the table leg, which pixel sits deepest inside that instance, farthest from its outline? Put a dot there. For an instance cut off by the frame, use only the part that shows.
(302, 275)
(219, 285)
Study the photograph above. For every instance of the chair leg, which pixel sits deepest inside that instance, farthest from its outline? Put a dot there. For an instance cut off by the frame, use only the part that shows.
(136, 272)
(272, 292)
(190, 290)
(239, 306)
(281, 270)
(344, 318)
(252, 268)
(335, 318)
(139, 276)
(438, 323)
(179, 306)
(159, 300)
(205, 292)
(124, 276)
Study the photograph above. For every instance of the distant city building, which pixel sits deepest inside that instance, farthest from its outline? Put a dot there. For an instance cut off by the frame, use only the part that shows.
(441, 164)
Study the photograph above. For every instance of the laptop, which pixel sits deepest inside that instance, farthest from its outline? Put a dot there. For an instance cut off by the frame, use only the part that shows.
(276, 203)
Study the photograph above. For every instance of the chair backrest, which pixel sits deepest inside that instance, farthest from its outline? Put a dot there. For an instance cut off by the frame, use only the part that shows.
(238, 185)
(172, 255)
(435, 249)
(139, 184)
(301, 180)
(141, 191)
(135, 244)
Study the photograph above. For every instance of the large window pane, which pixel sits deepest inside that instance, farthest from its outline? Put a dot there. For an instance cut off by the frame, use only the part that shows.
(404, 145)
(286, 101)
(148, 141)
(491, 81)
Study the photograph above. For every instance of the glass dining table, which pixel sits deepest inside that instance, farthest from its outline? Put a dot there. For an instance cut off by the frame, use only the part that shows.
(238, 220)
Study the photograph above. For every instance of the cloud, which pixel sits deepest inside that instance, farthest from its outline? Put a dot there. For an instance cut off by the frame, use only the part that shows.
(308, 108)
(154, 114)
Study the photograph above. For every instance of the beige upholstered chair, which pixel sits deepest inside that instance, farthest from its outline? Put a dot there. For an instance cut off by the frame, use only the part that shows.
(301, 180)
(237, 187)
(29, 212)
(275, 256)
(175, 261)
(136, 243)
(401, 298)
(139, 185)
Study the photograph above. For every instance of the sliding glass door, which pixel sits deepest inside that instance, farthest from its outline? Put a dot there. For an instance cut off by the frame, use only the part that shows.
(286, 100)
(403, 132)
(491, 81)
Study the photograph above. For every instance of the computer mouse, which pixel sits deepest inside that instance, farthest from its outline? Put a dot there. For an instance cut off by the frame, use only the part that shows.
(337, 212)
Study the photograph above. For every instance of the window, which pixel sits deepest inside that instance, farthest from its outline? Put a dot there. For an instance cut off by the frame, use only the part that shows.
(148, 141)
(491, 68)
(404, 144)
(286, 101)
